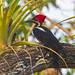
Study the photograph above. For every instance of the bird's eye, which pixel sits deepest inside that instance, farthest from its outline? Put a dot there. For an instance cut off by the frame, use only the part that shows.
(35, 19)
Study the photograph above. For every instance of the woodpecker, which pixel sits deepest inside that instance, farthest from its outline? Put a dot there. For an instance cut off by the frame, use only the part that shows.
(46, 37)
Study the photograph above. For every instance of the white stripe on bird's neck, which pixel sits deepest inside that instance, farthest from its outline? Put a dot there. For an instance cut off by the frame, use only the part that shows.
(40, 28)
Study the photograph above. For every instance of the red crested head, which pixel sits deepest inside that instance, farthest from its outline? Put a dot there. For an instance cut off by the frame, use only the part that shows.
(40, 18)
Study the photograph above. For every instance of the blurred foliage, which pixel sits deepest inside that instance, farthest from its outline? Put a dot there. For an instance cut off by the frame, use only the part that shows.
(9, 1)
(53, 2)
(71, 72)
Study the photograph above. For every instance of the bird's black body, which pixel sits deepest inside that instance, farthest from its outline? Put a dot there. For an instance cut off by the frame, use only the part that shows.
(45, 36)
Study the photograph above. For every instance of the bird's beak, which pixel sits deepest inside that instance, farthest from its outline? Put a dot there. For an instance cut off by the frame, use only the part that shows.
(31, 21)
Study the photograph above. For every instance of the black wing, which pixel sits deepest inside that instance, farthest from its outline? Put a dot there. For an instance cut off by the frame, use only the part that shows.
(46, 37)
